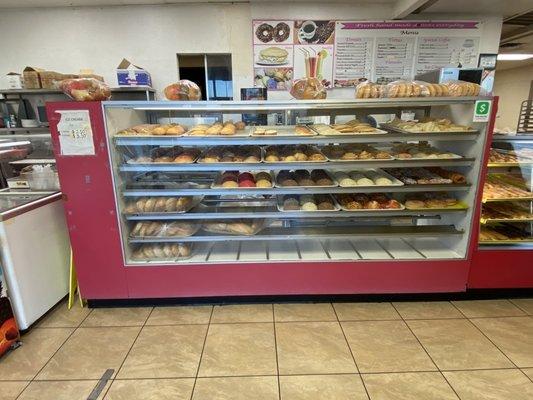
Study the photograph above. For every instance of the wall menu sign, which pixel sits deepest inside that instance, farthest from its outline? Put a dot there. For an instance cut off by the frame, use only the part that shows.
(381, 51)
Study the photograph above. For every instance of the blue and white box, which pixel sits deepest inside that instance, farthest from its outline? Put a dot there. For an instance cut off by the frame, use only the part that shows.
(129, 74)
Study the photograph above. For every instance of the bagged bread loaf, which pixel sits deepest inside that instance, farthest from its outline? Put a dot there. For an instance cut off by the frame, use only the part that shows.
(369, 90)
(404, 88)
(183, 90)
(462, 88)
(308, 89)
(85, 89)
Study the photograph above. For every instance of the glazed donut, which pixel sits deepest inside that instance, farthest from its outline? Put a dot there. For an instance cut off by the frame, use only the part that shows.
(265, 32)
(281, 32)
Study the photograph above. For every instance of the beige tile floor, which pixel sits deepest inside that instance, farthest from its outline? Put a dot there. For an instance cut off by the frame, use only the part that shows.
(467, 350)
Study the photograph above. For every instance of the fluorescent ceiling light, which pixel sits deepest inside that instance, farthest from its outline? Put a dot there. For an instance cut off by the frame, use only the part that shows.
(514, 56)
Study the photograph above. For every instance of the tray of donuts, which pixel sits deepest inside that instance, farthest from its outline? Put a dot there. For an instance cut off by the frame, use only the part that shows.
(433, 200)
(166, 155)
(164, 229)
(219, 129)
(306, 203)
(355, 151)
(162, 252)
(243, 180)
(293, 153)
(232, 155)
(360, 202)
(316, 178)
(161, 204)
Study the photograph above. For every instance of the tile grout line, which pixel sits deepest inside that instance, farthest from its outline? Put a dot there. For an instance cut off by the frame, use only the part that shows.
(521, 309)
(483, 333)
(490, 340)
(351, 352)
(202, 352)
(426, 351)
(112, 380)
(55, 352)
(276, 350)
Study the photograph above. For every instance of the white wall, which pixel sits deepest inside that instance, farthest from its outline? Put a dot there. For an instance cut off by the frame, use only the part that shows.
(512, 85)
(69, 39)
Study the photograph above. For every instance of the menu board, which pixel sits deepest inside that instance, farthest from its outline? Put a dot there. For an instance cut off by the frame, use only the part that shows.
(344, 53)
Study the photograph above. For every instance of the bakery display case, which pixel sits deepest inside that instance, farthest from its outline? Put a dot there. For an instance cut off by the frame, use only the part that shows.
(294, 192)
(503, 256)
(199, 204)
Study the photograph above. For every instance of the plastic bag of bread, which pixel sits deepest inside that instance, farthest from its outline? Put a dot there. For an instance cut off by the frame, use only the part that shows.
(162, 251)
(183, 90)
(369, 90)
(462, 88)
(85, 89)
(308, 89)
(433, 89)
(404, 88)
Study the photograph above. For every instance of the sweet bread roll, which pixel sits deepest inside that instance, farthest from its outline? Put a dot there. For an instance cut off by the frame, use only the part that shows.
(160, 130)
(148, 252)
(158, 251)
(214, 129)
(152, 228)
(149, 205)
(228, 129)
(170, 204)
(175, 130)
(159, 204)
(180, 229)
(136, 229)
(183, 203)
(167, 249)
(240, 125)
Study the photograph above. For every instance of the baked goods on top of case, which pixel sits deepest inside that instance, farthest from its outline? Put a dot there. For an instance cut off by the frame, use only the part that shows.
(462, 88)
(243, 180)
(183, 90)
(428, 125)
(85, 89)
(154, 130)
(164, 229)
(365, 178)
(505, 186)
(175, 154)
(355, 151)
(426, 176)
(304, 178)
(373, 201)
(159, 204)
(162, 251)
(293, 153)
(307, 202)
(231, 154)
(430, 200)
(421, 150)
(310, 88)
(405, 89)
(245, 227)
(369, 90)
(227, 128)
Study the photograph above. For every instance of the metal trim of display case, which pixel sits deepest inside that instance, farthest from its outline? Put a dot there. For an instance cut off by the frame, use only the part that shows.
(219, 213)
(295, 190)
(291, 105)
(49, 197)
(308, 233)
(273, 140)
(341, 165)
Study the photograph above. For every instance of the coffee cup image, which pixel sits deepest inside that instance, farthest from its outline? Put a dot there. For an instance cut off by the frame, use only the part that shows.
(307, 30)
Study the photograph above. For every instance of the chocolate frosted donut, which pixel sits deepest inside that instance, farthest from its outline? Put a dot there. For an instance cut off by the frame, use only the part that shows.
(265, 32)
(281, 32)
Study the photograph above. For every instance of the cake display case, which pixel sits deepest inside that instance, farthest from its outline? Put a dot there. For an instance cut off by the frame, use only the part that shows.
(182, 199)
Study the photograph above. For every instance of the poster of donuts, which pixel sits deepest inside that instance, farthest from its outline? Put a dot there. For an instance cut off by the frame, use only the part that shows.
(314, 32)
(273, 32)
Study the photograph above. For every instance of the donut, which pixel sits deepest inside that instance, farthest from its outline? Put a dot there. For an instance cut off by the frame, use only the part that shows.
(281, 32)
(264, 32)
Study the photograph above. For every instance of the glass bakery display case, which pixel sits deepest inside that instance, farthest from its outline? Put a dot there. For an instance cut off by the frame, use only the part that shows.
(340, 181)
(507, 202)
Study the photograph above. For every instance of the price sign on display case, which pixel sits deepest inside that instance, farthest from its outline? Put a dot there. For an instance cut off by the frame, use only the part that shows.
(482, 111)
(75, 133)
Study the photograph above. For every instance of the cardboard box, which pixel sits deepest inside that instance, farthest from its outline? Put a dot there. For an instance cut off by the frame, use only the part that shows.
(129, 74)
(14, 80)
(49, 79)
(32, 79)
